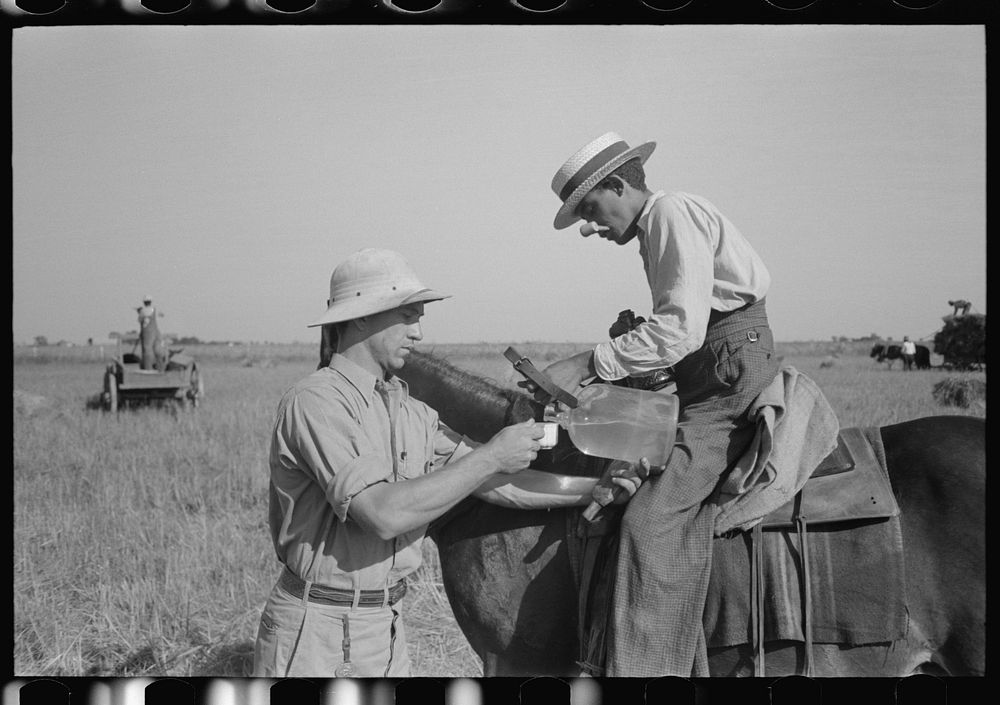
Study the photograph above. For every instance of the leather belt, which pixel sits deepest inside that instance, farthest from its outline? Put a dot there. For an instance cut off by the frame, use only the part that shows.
(326, 595)
(715, 316)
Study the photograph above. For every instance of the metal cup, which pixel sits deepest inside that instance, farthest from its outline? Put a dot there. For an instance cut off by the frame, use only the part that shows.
(551, 436)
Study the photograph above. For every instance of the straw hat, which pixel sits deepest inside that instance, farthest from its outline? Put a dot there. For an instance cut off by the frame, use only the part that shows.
(585, 169)
(371, 281)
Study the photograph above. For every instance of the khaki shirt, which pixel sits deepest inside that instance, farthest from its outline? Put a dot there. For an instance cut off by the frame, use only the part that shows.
(333, 437)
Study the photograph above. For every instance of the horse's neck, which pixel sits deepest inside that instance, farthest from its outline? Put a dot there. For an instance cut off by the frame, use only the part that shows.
(465, 402)
(468, 404)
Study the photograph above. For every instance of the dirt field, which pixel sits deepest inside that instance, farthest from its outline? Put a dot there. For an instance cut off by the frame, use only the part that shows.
(140, 539)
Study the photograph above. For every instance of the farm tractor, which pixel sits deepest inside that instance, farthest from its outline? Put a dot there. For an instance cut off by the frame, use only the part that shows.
(176, 377)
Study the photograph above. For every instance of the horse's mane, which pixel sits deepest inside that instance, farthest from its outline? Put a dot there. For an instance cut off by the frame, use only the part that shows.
(482, 390)
(466, 402)
(479, 408)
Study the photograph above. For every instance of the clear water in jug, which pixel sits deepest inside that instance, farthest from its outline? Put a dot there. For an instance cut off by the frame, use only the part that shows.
(622, 423)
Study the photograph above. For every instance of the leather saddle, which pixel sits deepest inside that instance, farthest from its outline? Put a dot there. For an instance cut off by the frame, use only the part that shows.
(848, 485)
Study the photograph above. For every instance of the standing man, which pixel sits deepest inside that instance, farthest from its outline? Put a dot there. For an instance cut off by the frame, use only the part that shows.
(149, 334)
(909, 352)
(358, 469)
(961, 307)
(709, 325)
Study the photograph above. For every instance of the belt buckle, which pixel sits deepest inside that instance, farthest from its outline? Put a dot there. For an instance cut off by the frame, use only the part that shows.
(652, 382)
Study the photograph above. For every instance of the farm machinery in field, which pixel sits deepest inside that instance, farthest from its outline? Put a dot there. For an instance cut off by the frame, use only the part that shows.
(176, 377)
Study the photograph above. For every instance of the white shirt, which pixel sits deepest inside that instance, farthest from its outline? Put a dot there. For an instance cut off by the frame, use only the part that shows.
(909, 347)
(696, 260)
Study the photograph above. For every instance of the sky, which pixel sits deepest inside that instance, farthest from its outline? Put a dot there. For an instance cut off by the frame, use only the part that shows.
(226, 170)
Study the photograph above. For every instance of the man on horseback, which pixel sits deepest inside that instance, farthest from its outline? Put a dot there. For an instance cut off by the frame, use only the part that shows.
(709, 325)
(358, 469)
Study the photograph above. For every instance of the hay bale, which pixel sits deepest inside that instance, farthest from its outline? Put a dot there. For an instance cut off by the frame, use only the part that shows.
(962, 393)
(962, 341)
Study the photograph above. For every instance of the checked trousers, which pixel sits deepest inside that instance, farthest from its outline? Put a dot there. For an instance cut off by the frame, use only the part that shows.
(665, 551)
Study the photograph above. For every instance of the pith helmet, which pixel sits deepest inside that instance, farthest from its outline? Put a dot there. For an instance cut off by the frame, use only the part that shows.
(371, 281)
(585, 169)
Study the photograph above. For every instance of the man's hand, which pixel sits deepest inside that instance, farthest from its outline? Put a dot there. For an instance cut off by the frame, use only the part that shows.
(621, 481)
(515, 447)
(567, 374)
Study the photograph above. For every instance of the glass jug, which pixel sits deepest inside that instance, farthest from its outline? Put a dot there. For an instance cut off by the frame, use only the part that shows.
(622, 423)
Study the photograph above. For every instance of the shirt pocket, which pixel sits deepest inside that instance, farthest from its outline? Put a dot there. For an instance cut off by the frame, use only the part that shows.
(410, 460)
(408, 467)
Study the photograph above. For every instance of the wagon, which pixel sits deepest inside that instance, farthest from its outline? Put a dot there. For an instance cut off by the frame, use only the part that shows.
(962, 341)
(126, 383)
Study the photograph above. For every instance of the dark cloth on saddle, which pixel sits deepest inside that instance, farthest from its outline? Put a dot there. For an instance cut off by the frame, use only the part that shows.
(857, 582)
(796, 429)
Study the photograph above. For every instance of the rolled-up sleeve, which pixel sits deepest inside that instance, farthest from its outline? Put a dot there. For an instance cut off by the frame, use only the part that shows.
(319, 435)
(449, 446)
(679, 254)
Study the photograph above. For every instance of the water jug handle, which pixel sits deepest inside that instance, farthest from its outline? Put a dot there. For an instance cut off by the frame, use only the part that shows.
(533, 374)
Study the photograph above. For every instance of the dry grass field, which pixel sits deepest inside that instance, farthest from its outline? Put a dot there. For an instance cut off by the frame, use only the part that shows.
(140, 539)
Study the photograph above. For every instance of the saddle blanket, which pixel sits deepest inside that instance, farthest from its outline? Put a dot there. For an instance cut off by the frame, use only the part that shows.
(856, 580)
(857, 588)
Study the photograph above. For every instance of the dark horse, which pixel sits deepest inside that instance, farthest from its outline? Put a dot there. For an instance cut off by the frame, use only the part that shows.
(882, 352)
(509, 581)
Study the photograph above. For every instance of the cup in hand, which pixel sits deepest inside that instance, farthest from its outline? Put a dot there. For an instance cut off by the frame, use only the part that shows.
(551, 436)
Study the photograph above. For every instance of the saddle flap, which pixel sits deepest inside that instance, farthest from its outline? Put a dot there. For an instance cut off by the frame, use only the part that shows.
(839, 460)
(853, 485)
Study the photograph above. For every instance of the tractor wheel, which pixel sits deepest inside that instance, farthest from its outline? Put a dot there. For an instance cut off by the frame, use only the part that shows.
(110, 389)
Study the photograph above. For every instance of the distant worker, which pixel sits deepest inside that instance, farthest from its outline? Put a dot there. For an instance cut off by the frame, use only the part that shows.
(146, 312)
(909, 352)
(149, 334)
(961, 306)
